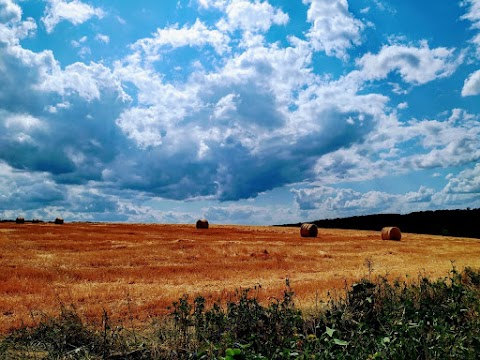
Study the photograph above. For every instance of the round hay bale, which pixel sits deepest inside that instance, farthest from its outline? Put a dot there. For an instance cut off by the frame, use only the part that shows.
(20, 220)
(202, 224)
(59, 221)
(308, 230)
(391, 233)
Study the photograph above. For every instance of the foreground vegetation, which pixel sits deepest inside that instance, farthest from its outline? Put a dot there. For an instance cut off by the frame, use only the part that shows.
(374, 319)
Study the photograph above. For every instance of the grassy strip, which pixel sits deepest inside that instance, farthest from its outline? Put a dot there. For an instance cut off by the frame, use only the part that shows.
(374, 320)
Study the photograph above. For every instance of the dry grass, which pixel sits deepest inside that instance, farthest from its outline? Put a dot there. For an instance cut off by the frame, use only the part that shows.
(135, 271)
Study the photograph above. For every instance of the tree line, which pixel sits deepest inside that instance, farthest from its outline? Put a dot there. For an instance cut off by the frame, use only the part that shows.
(460, 223)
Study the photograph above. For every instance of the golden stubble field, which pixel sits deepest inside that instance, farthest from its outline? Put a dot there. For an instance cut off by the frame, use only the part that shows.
(135, 271)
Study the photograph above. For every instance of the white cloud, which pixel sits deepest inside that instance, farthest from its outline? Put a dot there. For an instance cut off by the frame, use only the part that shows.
(376, 201)
(79, 42)
(280, 71)
(473, 14)
(217, 119)
(35, 195)
(416, 65)
(102, 38)
(48, 133)
(167, 115)
(260, 114)
(387, 149)
(240, 90)
(226, 107)
(354, 163)
(333, 201)
(12, 28)
(144, 126)
(444, 144)
(88, 81)
(19, 130)
(237, 121)
(73, 11)
(462, 190)
(24, 122)
(467, 181)
(251, 16)
(53, 109)
(329, 202)
(423, 194)
(22, 191)
(20, 70)
(476, 43)
(9, 11)
(471, 85)
(334, 29)
(212, 3)
(196, 35)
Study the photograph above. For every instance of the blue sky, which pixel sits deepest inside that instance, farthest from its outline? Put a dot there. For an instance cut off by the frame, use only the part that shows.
(241, 111)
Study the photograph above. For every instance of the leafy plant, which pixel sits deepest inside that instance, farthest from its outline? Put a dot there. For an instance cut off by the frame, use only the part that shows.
(375, 319)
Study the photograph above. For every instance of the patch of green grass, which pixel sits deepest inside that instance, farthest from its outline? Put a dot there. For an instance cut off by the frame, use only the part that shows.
(374, 319)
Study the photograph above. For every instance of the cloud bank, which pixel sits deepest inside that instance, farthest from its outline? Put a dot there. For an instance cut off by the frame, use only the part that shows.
(237, 114)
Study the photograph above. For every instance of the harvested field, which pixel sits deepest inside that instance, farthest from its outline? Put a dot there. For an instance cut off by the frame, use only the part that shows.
(134, 271)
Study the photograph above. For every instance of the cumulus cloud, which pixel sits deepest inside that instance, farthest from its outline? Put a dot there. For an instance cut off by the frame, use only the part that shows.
(22, 190)
(322, 137)
(462, 190)
(87, 81)
(334, 29)
(252, 125)
(473, 13)
(57, 132)
(445, 143)
(196, 35)
(248, 117)
(212, 3)
(450, 140)
(329, 200)
(251, 16)
(416, 65)
(423, 194)
(9, 11)
(12, 28)
(466, 182)
(471, 85)
(74, 11)
(19, 136)
(147, 126)
(259, 121)
(53, 109)
(36, 195)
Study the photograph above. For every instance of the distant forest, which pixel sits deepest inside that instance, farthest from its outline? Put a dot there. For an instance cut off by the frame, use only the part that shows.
(462, 223)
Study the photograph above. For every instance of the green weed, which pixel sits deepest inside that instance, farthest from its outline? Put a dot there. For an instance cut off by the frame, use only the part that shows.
(374, 319)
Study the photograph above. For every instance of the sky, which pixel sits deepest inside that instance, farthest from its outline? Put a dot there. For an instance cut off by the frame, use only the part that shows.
(241, 111)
